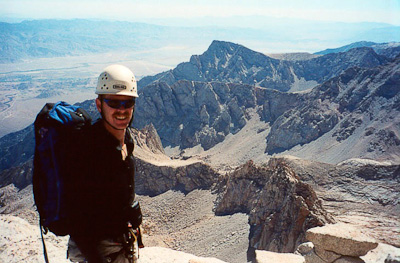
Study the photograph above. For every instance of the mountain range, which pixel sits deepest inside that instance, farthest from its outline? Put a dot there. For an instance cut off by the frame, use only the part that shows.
(59, 38)
(201, 101)
(341, 109)
(354, 104)
(229, 62)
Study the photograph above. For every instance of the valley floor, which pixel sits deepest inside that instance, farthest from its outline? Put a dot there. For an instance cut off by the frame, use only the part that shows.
(187, 223)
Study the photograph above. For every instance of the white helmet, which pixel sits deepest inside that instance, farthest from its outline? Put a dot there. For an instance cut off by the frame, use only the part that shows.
(117, 80)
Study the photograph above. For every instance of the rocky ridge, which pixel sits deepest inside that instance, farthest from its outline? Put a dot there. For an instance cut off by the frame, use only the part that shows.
(233, 63)
(389, 50)
(16, 148)
(154, 180)
(280, 207)
(155, 176)
(359, 102)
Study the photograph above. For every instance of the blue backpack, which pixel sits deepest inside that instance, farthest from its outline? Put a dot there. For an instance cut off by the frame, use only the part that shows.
(56, 127)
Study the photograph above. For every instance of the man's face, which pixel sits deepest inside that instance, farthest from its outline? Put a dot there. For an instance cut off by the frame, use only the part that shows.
(116, 113)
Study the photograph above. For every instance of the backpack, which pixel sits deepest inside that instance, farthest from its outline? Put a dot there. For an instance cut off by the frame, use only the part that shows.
(56, 126)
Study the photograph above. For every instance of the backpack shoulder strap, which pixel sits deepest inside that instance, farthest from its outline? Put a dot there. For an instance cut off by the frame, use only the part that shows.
(46, 257)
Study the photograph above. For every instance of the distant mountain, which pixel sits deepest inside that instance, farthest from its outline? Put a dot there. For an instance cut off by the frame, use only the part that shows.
(328, 66)
(233, 63)
(390, 50)
(346, 47)
(58, 38)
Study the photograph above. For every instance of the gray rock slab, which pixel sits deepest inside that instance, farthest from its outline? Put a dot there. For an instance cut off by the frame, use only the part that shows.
(342, 239)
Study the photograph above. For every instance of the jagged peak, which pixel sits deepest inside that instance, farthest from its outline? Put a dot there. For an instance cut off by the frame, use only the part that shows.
(220, 47)
(223, 51)
(218, 44)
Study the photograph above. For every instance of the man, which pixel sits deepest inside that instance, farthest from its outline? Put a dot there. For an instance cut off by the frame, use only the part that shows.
(105, 217)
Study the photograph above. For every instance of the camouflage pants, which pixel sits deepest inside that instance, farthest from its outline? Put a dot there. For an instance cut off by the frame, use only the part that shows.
(110, 250)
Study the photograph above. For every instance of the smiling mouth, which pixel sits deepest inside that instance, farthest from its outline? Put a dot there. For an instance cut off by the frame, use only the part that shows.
(121, 117)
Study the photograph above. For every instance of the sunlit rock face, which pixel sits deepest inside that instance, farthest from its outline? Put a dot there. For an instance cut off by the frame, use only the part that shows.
(280, 206)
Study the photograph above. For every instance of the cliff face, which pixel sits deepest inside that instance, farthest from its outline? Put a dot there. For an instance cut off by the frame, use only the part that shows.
(156, 173)
(189, 113)
(281, 207)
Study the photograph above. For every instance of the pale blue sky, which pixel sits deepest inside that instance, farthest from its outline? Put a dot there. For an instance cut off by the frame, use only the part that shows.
(386, 11)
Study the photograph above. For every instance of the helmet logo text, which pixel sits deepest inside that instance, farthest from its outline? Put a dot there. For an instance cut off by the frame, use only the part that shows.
(121, 87)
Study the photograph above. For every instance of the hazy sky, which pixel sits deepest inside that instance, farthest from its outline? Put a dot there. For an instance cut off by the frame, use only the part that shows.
(387, 11)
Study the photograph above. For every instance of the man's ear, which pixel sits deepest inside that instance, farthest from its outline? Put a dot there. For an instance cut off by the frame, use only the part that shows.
(98, 105)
